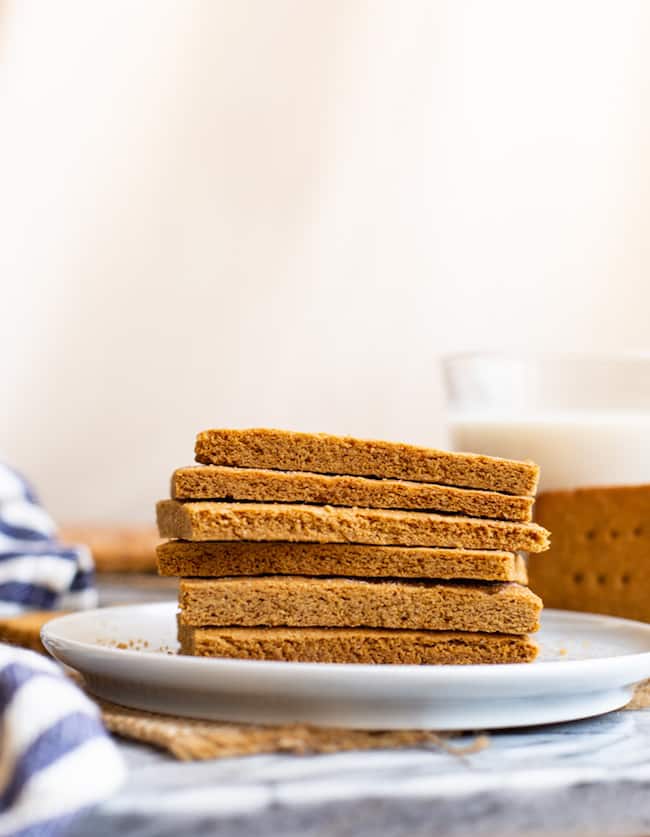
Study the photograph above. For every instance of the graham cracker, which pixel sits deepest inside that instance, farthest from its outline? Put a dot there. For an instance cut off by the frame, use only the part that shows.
(300, 601)
(206, 521)
(600, 558)
(320, 452)
(230, 558)
(349, 645)
(217, 482)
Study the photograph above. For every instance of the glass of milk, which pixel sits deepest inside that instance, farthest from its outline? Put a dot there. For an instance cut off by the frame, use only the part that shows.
(584, 418)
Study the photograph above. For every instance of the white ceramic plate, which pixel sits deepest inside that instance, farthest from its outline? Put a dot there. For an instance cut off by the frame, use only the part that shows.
(588, 665)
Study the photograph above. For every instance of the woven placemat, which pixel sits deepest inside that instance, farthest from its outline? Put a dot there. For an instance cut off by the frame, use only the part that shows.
(193, 740)
(641, 697)
(24, 629)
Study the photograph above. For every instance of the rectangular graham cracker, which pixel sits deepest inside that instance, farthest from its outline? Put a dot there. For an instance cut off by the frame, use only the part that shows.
(210, 521)
(356, 645)
(290, 451)
(300, 601)
(231, 558)
(217, 482)
(600, 558)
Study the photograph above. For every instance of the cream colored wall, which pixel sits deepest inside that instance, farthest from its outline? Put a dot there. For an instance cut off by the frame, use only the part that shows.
(282, 212)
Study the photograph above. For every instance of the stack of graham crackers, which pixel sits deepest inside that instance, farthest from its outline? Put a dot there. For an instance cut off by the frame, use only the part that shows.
(310, 547)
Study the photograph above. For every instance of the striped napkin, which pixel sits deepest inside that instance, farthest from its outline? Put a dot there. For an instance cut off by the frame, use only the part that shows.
(56, 759)
(36, 571)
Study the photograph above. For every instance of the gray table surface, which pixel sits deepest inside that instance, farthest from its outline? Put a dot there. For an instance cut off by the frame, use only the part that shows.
(588, 777)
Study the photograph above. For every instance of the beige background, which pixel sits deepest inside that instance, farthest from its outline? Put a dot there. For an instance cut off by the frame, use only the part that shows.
(282, 212)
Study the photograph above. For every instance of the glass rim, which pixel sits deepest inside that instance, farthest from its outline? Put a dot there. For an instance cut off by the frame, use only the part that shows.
(536, 356)
(547, 380)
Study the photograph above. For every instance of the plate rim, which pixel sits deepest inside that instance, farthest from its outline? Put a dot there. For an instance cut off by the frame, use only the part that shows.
(456, 672)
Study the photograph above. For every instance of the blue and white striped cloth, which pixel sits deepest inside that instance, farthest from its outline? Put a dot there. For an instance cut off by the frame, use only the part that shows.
(36, 571)
(56, 759)
(55, 756)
